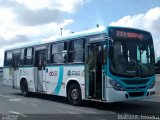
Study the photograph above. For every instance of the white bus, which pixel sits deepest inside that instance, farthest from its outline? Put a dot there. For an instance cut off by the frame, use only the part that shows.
(111, 64)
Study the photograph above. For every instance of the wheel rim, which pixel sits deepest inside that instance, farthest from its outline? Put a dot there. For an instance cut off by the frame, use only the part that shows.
(74, 94)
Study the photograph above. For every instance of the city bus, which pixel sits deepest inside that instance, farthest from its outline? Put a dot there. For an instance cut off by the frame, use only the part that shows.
(108, 64)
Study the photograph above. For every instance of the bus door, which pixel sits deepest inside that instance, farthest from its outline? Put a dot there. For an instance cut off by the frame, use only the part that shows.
(94, 81)
(40, 62)
(16, 60)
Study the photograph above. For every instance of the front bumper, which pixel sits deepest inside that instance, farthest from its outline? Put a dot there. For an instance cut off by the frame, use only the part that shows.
(113, 95)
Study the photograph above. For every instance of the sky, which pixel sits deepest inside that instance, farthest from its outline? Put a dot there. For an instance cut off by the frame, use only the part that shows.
(25, 21)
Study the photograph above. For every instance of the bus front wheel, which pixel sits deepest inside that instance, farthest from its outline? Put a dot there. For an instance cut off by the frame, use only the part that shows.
(24, 88)
(74, 94)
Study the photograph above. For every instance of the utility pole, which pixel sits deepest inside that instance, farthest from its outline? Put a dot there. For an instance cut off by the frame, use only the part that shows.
(61, 30)
(97, 25)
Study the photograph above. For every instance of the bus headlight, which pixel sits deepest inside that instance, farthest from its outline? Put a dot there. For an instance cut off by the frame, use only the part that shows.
(116, 85)
(152, 84)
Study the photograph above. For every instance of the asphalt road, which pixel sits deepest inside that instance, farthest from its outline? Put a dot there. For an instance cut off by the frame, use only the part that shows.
(40, 107)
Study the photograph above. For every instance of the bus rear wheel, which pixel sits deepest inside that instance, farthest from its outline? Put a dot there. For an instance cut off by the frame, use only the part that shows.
(74, 94)
(24, 88)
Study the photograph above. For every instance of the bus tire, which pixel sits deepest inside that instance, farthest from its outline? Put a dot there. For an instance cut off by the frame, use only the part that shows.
(24, 88)
(74, 94)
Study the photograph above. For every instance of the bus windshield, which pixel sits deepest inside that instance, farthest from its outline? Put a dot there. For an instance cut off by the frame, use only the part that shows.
(133, 59)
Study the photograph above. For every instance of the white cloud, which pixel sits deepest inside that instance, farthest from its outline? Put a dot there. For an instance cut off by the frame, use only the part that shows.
(63, 5)
(149, 21)
(65, 23)
(34, 18)
(29, 20)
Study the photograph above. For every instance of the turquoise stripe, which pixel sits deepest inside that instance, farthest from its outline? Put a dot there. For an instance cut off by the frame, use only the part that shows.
(60, 79)
(25, 66)
(67, 65)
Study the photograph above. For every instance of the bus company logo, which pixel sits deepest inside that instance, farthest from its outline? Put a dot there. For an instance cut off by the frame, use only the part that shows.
(53, 73)
(73, 73)
(76, 73)
(69, 73)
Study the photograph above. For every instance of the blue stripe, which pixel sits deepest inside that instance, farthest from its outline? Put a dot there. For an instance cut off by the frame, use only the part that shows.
(60, 79)
(66, 65)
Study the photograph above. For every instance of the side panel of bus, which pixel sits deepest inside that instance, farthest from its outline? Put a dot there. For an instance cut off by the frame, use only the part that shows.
(8, 70)
(27, 73)
(57, 78)
(8, 76)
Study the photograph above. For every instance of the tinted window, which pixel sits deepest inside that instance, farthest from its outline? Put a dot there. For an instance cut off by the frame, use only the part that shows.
(16, 60)
(9, 55)
(59, 53)
(22, 57)
(76, 51)
(76, 45)
(8, 59)
(57, 48)
(29, 52)
(28, 56)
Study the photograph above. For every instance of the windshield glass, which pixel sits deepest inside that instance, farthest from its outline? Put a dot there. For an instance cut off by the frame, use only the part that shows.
(132, 59)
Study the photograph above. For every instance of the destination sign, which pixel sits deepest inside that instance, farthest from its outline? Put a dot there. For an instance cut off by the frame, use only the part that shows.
(129, 33)
(97, 38)
(41, 47)
(125, 34)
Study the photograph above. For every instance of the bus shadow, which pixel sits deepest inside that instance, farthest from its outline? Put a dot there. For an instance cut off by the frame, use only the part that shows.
(128, 107)
(47, 97)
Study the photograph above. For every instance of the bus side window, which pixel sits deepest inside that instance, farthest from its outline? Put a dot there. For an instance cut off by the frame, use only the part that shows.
(59, 52)
(8, 59)
(22, 57)
(76, 51)
(29, 56)
(48, 61)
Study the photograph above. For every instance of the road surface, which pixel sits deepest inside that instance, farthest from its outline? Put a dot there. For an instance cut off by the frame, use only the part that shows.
(40, 107)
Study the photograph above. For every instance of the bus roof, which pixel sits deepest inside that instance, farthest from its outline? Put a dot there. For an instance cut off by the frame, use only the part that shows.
(69, 36)
(59, 38)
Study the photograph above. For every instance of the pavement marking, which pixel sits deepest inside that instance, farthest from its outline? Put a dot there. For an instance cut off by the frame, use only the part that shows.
(71, 112)
(157, 95)
(7, 96)
(12, 99)
(16, 99)
(17, 113)
(34, 105)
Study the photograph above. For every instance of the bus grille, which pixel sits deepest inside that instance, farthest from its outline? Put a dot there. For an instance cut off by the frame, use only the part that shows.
(135, 82)
(136, 87)
(136, 94)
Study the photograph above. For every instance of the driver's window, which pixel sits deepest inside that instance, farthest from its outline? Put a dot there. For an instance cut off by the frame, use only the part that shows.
(118, 51)
(144, 56)
(138, 54)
